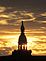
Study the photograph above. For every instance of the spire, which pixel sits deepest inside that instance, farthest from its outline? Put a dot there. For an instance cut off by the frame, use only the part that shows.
(22, 28)
(22, 39)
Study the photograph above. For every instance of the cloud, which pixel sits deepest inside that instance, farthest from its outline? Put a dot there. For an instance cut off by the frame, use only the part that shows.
(9, 27)
(33, 13)
(43, 14)
(23, 15)
(16, 16)
(22, 3)
(40, 42)
(11, 21)
(4, 16)
(34, 24)
(41, 18)
(2, 9)
(11, 18)
(3, 22)
(6, 51)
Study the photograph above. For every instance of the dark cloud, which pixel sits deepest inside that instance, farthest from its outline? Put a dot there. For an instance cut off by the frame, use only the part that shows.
(11, 21)
(5, 51)
(22, 16)
(14, 15)
(3, 18)
(26, 17)
(41, 18)
(34, 5)
(40, 42)
(8, 10)
(8, 27)
(23, 2)
(42, 54)
(39, 34)
(34, 25)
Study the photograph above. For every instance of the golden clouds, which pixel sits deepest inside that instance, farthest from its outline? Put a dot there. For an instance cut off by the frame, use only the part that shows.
(16, 15)
(35, 29)
(2, 9)
(43, 14)
(4, 16)
(39, 48)
(3, 22)
(12, 12)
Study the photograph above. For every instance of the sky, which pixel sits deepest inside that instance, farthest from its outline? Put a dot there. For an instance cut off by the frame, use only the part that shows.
(33, 13)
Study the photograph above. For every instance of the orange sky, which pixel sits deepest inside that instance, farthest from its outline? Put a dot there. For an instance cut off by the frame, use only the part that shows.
(35, 43)
(35, 30)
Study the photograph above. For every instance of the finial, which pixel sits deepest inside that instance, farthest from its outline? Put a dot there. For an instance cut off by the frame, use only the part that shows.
(22, 22)
(22, 28)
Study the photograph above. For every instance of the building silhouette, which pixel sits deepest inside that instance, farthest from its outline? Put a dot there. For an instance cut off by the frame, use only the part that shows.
(22, 54)
(22, 42)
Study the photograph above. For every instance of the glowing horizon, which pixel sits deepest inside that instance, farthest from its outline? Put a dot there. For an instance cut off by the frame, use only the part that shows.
(12, 42)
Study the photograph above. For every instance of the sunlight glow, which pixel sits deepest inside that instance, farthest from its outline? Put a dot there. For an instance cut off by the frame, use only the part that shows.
(32, 44)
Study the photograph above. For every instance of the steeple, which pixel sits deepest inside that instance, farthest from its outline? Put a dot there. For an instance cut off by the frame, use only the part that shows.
(22, 42)
(22, 27)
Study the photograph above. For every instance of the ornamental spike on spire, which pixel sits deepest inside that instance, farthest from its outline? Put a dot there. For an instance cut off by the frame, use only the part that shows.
(22, 28)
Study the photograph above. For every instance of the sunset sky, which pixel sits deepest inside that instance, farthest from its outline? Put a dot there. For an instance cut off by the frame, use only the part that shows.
(33, 13)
